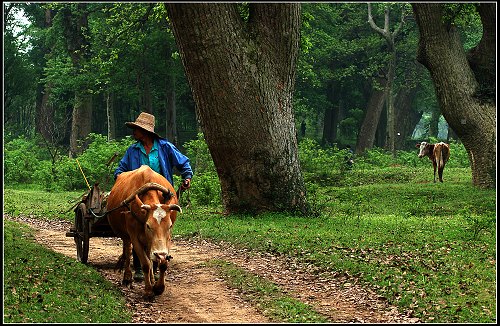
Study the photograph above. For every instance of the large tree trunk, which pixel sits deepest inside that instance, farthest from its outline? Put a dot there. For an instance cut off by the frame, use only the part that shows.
(171, 111)
(331, 117)
(242, 76)
(44, 119)
(366, 137)
(471, 113)
(406, 117)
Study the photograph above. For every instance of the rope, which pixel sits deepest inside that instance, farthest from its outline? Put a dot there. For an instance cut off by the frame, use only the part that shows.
(83, 173)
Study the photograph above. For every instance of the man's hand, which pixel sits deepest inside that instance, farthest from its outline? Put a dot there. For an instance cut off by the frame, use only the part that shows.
(186, 184)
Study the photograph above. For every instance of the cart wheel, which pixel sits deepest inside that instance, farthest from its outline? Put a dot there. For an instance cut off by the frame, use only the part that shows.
(82, 234)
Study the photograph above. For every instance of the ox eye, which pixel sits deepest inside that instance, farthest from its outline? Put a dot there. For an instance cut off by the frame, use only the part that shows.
(148, 226)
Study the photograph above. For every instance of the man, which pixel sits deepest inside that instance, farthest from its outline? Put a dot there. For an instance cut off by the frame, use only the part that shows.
(156, 152)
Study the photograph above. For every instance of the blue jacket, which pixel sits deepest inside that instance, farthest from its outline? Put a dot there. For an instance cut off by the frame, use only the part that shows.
(169, 157)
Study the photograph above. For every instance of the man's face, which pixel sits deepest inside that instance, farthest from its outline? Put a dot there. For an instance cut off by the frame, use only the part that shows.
(138, 134)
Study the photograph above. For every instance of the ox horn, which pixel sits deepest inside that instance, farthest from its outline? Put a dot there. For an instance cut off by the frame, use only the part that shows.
(175, 207)
(147, 187)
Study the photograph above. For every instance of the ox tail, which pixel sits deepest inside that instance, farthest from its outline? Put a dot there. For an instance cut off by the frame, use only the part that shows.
(441, 157)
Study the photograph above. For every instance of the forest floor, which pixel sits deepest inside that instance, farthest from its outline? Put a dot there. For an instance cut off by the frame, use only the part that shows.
(196, 294)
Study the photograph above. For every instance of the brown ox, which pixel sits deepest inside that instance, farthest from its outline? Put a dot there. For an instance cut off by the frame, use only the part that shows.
(147, 211)
(438, 153)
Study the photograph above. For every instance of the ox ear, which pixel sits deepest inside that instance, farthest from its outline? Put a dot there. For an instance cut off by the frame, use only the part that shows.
(417, 145)
(167, 196)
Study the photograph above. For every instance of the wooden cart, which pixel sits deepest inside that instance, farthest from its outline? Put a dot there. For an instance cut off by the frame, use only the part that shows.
(90, 221)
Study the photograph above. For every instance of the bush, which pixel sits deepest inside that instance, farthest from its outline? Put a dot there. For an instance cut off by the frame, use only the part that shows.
(94, 159)
(22, 159)
(26, 162)
(206, 185)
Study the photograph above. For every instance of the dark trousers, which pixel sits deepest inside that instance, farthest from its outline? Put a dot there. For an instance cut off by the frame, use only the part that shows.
(137, 263)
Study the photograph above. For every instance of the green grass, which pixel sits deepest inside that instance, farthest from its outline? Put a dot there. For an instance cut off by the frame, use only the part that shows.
(41, 286)
(269, 299)
(429, 248)
(52, 205)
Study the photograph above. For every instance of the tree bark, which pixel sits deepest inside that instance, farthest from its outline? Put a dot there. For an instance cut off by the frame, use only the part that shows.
(406, 117)
(171, 111)
(434, 122)
(242, 76)
(110, 115)
(391, 68)
(75, 24)
(366, 137)
(472, 117)
(44, 120)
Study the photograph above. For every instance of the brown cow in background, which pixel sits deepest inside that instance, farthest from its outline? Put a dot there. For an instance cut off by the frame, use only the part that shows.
(438, 153)
(147, 208)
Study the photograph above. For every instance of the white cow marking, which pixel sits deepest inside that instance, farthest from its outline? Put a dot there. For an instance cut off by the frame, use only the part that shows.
(159, 213)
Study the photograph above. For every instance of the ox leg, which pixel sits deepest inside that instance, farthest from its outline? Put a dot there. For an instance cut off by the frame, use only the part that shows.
(435, 166)
(127, 252)
(159, 286)
(440, 173)
(147, 268)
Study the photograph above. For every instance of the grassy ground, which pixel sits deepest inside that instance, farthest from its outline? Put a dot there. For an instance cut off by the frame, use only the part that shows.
(428, 248)
(41, 286)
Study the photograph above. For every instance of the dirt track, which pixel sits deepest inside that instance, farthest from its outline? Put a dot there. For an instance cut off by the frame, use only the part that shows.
(195, 294)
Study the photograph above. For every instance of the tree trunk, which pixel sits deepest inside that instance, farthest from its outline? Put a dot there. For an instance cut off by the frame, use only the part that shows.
(331, 119)
(406, 117)
(171, 111)
(434, 123)
(391, 68)
(389, 94)
(110, 115)
(75, 26)
(44, 119)
(81, 123)
(242, 76)
(472, 117)
(366, 137)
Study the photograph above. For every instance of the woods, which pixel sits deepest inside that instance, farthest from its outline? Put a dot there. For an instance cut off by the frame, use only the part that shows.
(249, 76)
(300, 122)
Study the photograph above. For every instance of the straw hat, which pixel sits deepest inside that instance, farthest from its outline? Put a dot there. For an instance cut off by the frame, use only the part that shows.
(144, 121)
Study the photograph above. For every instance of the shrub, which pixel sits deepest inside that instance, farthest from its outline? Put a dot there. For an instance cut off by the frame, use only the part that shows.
(94, 159)
(206, 184)
(22, 159)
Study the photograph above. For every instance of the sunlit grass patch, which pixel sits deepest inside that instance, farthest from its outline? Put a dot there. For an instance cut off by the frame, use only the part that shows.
(41, 286)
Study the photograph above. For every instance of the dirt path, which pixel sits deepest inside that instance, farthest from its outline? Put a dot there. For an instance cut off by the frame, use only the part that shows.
(195, 294)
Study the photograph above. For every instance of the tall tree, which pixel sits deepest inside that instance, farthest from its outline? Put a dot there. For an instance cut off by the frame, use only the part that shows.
(374, 109)
(461, 82)
(75, 24)
(242, 73)
(391, 69)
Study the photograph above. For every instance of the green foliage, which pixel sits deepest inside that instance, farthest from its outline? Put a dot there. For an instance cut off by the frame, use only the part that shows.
(27, 162)
(48, 287)
(327, 166)
(205, 189)
(425, 247)
(94, 159)
(408, 241)
(21, 160)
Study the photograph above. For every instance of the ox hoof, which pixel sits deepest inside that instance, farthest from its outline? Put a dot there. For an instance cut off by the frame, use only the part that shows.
(127, 282)
(158, 289)
(148, 297)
